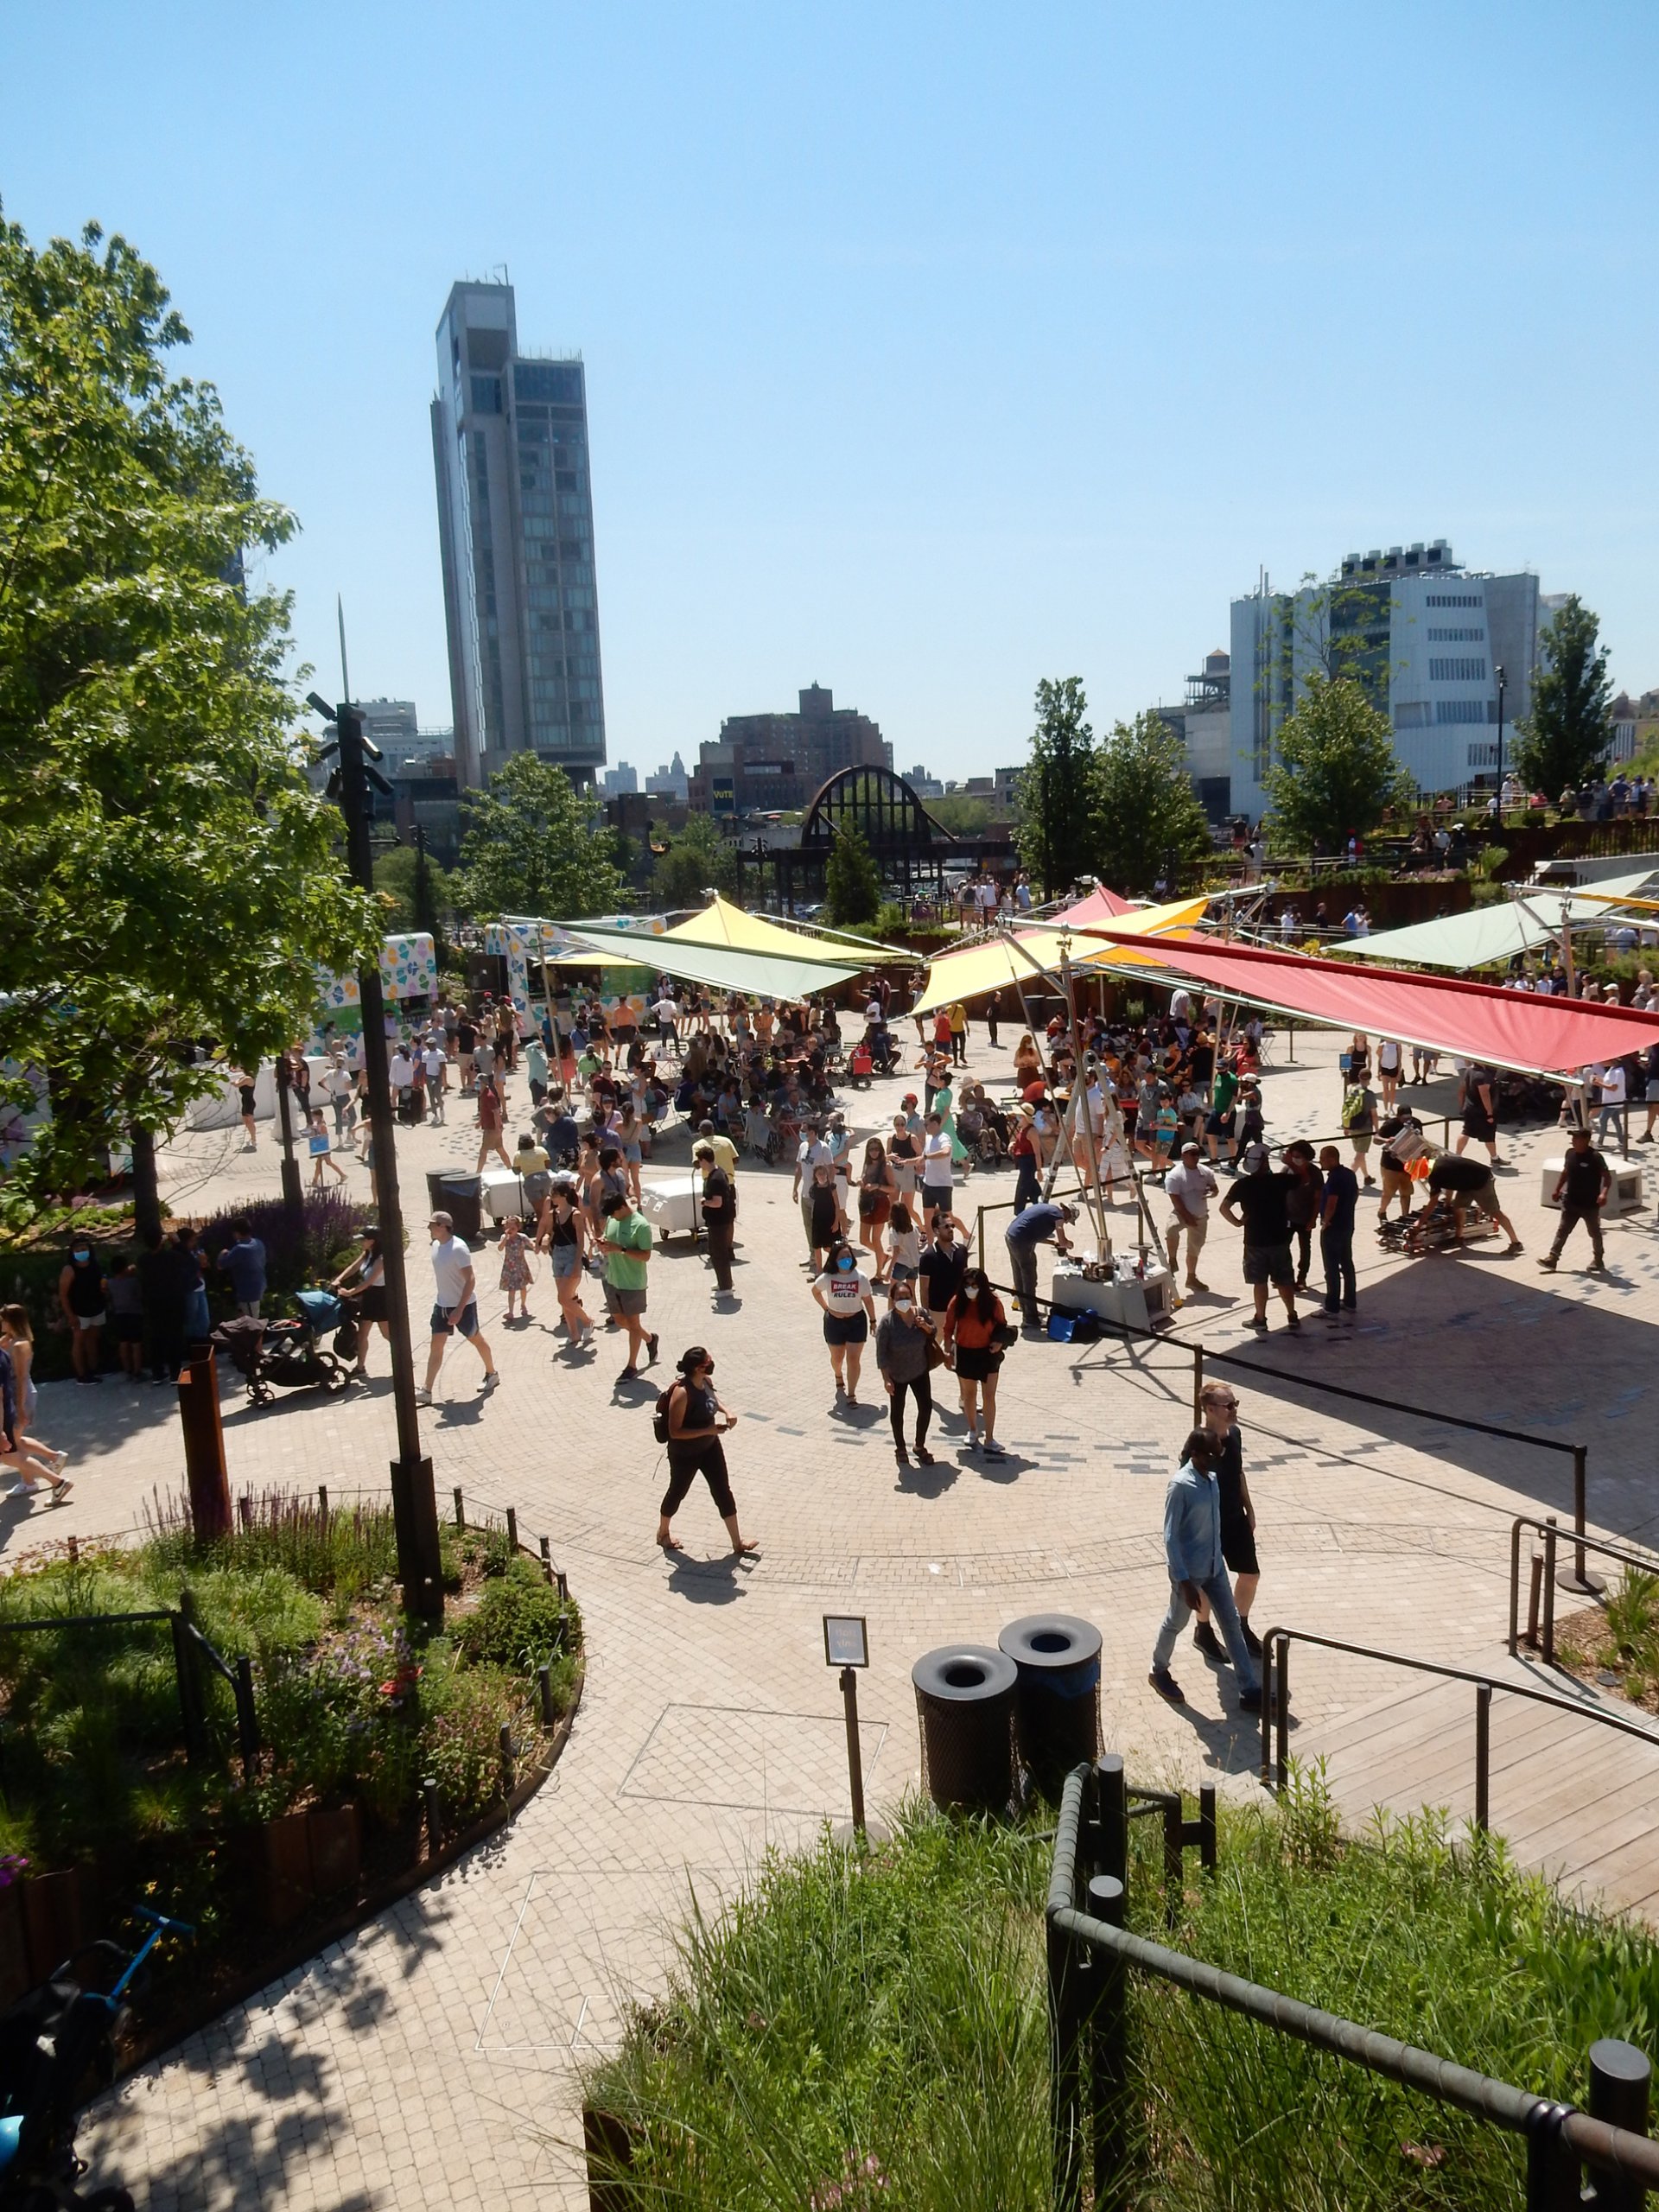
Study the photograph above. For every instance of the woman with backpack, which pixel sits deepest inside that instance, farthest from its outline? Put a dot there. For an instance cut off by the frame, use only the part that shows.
(691, 1420)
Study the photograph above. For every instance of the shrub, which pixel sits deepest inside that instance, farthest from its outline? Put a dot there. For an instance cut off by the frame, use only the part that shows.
(300, 1248)
(460, 1739)
(520, 1623)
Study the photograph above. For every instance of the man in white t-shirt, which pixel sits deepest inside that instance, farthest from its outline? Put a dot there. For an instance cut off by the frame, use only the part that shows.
(400, 1073)
(1189, 1187)
(938, 1169)
(337, 1089)
(667, 1011)
(436, 1063)
(1611, 1090)
(454, 1312)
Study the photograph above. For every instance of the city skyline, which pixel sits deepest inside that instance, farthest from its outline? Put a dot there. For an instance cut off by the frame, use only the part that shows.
(932, 371)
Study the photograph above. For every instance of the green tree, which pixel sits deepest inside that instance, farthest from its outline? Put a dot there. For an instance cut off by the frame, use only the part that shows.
(697, 861)
(1058, 794)
(419, 892)
(963, 813)
(1565, 739)
(852, 882)
(1149, 815)
(1335, 772)
(533, 846)
(170, 877)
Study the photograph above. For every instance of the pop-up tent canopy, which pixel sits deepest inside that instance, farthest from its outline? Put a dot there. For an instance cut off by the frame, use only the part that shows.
(1099, 905)
(1442, 1013)
(722, 924)
(723, 966)
(1487, 935)
(1001, 963)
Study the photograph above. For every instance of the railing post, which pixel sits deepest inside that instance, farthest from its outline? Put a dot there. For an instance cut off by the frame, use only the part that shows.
(434, 1817)
(512, 1528)
(1109, 2055)
(460, 1511)
(1535, 1591)
(1549, 1590)
(1207, 1826)
(1581, 1582)
(1515, 1583)
(547, 1558)
(1174, 1869)
(1112, 1798)
(1619, 2079)
(544, 1684)
(1282, 1716)
(508, 1759)
(1483, 1754)
(1064, 2038)
(1269, 1665)
(322, 1501)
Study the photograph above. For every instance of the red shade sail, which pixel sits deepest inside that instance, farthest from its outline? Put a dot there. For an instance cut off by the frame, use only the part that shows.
(1443, 1014)
(1099, 906)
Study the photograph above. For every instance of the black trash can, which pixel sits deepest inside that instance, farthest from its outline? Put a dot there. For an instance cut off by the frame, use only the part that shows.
(965, 1703)
(461, 1197)
(1057, 1704)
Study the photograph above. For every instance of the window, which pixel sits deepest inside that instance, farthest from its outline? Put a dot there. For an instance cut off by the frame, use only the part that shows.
(1470, 671)
(1483, 756)
(486, 394)
(1411, 714)
(1459, 711)
(1457, 637)
(1452, 599)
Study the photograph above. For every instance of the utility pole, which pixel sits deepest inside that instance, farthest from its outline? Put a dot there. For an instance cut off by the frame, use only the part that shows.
(414, 1502)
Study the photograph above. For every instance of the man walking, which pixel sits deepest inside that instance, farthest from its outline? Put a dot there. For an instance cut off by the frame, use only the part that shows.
(1193, 1556)
(244, 1261)
(719, 1215)
(1337, 1234)
(454, 1312)
(1220, 1410)
(1581, 1191)
(1259, 1197)
(1189, 1186)
(627, 1246)
(1036, 1225)
(435, 1061)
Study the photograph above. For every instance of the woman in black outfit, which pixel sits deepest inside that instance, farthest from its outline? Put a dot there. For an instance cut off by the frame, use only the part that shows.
(695, 1421)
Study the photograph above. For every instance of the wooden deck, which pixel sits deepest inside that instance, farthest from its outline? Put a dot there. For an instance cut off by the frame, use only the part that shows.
(1576, 1800)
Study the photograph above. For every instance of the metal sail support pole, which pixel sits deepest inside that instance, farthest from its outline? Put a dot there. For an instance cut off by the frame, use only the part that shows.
(1079, 1104)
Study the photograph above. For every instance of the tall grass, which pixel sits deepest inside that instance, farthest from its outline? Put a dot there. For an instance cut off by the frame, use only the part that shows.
(863, 2032)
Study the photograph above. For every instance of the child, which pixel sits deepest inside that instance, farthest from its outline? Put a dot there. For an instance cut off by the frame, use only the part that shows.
(127, 1313)
(516, 1275)
(321, 1150)
(905, 1243)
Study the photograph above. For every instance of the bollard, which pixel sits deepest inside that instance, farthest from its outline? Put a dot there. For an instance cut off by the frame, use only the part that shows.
(512, 1528)
(547, 1558)
(74, 1551)
(545, 1683)
(434, 1817)
(1112, 1817)
(460, 1511)
(1620, 2078)
(564, 1587)
(1109, 2055)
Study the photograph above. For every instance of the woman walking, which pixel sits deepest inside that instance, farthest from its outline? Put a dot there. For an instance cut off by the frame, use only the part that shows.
(320, 1146)
(517, 1274)
(976, 1331)
(903, 1342)
(363, 1286)
(18, 1339)
(849, 1310)
(246, 1101)
(905, 1254)
(876, 1193)
(491, 1114)
(696, 1422)
(566, 1237)
(826, 1222)
(83, 1302)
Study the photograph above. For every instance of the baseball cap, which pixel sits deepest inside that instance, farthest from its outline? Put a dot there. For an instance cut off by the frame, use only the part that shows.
(909, 1098)
(1191, 1145)
(1255, 1155)
(447, 1219)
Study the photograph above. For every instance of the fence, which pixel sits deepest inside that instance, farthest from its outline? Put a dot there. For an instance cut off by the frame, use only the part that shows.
(1090, 1953)
(1541, 1637)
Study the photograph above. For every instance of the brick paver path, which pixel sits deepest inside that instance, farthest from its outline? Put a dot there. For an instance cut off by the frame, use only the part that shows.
(433, 2058)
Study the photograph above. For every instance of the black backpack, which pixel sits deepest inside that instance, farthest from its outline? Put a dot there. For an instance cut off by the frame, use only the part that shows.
(660, 1418)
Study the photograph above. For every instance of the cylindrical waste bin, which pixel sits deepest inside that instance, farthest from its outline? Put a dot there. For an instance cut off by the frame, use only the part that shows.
(1057, 1705)
(461, 1197)
(965, 1703)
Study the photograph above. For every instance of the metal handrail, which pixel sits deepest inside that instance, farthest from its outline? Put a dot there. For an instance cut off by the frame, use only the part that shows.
(1544, 1577)
(1557, 2135)
(1275, 1703)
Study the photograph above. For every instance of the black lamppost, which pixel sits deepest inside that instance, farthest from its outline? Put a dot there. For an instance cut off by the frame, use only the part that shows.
(1498, 673)
(413, 1503)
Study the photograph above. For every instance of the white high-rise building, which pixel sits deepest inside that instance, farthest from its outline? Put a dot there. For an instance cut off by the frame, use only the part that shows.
(1424, 635)
(516, 534)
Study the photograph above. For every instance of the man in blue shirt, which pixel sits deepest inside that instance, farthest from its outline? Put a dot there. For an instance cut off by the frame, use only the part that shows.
(1034, 1226)
(1337, 1234)
(1193, 1555)
(244, 1261)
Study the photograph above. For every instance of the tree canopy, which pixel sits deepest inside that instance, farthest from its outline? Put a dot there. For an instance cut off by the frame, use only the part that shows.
(1057, 794)
(1565, 739)
(411, 902)
(1146, 813)
(852, 882)
(697, 861)
(170, 876)
(533, 846)
(1335, 772)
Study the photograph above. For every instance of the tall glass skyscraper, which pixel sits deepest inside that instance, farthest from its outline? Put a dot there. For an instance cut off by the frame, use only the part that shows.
(516, 534)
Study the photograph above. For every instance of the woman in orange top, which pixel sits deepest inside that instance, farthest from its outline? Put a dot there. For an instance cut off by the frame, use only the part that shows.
(976, 1332)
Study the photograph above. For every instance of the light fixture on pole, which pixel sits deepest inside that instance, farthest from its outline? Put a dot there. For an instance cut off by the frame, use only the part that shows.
(847, 1645)
(1498, 673)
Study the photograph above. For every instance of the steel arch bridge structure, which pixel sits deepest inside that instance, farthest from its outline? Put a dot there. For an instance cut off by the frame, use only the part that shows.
(909, 847)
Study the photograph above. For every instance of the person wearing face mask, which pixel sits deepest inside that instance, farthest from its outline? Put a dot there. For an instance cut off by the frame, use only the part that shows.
(82, 1296)
(902, 1342)
(849, 1310)
(696, 1420)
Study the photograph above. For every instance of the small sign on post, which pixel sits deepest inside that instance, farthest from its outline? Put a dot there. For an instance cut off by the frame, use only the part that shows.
(847, 1645)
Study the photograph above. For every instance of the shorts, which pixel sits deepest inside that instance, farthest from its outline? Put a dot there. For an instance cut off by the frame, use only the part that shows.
(1653, 1093)
(1482, 1199)
(91, 1320)
(566, 1261)
(1219, 1125)
(846, 1329)
(1238, 1544)
(129, 1329)
(466, 1324)
(1361, 1140)
(371, 1304)
(976, 1363)
(1268, 1263)
(631, 1302)
(1480, 1125)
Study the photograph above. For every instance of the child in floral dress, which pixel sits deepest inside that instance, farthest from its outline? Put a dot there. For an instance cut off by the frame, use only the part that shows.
(516, 1275)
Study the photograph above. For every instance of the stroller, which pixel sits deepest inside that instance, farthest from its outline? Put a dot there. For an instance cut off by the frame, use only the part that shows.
(57, 2049)
(289, 1355)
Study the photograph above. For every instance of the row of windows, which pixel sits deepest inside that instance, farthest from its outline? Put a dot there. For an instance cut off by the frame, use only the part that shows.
(545, 380)
(1460, 710)
(1483, 756)
(1462, 671)
(1476, 637)
(1452, 599)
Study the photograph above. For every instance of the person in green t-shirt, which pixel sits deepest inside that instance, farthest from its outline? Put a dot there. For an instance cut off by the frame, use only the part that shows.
(627, 1246)
(1221, 1124)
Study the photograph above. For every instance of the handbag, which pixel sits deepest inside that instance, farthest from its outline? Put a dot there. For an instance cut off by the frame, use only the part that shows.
(935, 1354)
(1004, 1335)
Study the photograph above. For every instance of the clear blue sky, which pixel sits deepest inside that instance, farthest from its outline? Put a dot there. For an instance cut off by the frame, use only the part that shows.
(930, 350)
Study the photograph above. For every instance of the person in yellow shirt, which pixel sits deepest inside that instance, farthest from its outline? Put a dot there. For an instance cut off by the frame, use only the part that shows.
(959, 1035)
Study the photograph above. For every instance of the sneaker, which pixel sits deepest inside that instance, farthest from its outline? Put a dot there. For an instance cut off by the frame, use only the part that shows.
(1211, 1644)
(651, 1352)
(490, 1380)
(1293, 1320)
(1167, 1686)
(1250, 1701)
(422, 1397)
(584, 1341)
(1192, 1283)
(1258, 1321)
(1252, 1641)
(1597, 1267)
(629, 1375)
(1549, 1266)
(970, 1442)
(1517, 1247)
(992, 1450)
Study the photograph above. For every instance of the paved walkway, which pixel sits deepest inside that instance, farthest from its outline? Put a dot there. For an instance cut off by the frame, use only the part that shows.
(433, 2058)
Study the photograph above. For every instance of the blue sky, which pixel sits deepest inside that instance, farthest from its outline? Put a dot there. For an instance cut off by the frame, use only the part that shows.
(930, 350)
